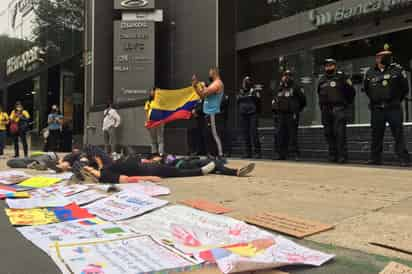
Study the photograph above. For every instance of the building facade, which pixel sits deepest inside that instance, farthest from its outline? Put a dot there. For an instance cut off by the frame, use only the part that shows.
(258, 38)
(41, 57)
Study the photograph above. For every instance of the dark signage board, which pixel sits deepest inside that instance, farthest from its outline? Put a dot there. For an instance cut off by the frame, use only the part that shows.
(134, 4)
(134, 60)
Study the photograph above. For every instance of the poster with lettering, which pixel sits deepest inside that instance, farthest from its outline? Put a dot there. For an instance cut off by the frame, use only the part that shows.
(44, 236)
(262, 254)
(59, 189)
(87, 197)
(193, 230)
(124, 205)
(147, 188)
(127, 256)
(11, 177)
(53, 201)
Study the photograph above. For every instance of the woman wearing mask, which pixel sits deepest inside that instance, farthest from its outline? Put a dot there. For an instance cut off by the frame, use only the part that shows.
(55, 122)
(157, 133)
(4, 121)
(19, 126)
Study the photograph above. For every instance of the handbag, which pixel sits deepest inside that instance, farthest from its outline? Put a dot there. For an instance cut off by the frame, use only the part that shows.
(14, 128)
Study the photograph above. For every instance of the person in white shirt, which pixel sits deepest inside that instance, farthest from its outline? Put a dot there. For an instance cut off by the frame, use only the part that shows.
(111, 121)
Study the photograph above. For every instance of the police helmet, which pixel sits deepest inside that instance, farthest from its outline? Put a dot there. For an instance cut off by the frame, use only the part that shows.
(386, 51)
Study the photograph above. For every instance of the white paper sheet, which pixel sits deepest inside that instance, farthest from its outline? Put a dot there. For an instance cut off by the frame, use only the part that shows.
(78, 230)
(87, 197)
(147, 188)
(124, 205)
(58, 190)
(11, 177)
(54, 201)
(173, 223)
(127, 256)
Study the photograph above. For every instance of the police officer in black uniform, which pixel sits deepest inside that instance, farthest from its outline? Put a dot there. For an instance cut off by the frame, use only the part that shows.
(335, 93)
(249, 101)
(288, 103)
(386, 86)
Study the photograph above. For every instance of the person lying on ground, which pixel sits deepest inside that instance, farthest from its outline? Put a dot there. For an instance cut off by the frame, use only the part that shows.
(132, 170)
(41, 161)
(197, 162)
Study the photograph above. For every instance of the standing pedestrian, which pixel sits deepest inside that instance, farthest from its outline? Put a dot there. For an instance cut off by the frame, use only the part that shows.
(336, 93)
(19, 126)
(156, 133)
(212, 95)
(248, 103)
(111, 121)
(55, 122)
(288, 103)
(4, 121)
(197, 139)
(387, 86)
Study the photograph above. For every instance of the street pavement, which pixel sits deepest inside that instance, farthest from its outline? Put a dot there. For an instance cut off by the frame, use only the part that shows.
(366, 204)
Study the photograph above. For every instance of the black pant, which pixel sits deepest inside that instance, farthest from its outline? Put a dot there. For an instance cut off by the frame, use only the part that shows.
(198, 163)
(334, 122)
(288, 134)
(250, 132)
(53, 141)
(393, 116)
(132, 167)
(198, 139)
(22, 136)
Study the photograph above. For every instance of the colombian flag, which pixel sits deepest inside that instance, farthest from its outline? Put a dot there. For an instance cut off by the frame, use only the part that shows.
(171, 105)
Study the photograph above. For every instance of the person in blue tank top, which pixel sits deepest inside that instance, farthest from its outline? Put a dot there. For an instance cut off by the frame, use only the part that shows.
(212, 96)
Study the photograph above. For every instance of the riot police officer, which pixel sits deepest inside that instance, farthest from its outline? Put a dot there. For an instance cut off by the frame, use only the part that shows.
(335, 93)
(248, 102)
(288, 103)
(386, 85)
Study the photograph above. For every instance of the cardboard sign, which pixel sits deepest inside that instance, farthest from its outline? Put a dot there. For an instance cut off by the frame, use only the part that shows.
(296, 227)
(207, 206)
(12, 177)
(39, 182)
(395, 268)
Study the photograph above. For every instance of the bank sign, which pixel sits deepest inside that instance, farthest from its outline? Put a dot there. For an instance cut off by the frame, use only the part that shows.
(134, 60)
(134, 4)
(326, 17)
(25, 61)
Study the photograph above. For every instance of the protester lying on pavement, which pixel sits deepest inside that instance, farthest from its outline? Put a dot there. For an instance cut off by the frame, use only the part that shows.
(41, 161)
(197, 162)
(132, 170)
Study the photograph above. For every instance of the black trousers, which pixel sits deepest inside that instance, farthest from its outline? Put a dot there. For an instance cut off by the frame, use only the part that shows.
(334, 122)
(53, 141)
(288, 134)
(249, 124)
(23, 137)
(132, 167)
(198, 139)
(198, 163)
(393, 116)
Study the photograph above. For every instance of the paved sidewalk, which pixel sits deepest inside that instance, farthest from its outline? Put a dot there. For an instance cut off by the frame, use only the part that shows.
(366, 204)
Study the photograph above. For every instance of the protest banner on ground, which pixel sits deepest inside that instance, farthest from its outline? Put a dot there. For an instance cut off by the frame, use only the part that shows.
(11, 177)
(44, 236)
(147, 188)
(43, 216)
(6, 190)
(63, 176)
(40, 182)
(193, 230)
(124, 205)
(53, 201)
(15, 195)
(262, 254)
(127, 256)
(59, 189)
(87, 197)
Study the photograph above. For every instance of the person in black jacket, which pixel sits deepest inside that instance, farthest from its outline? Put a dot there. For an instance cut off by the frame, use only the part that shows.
(248, 102)
(387, 86)
(335, 93)
(288, 103)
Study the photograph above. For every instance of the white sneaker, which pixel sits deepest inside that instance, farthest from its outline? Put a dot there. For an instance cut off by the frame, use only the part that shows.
(209, 168)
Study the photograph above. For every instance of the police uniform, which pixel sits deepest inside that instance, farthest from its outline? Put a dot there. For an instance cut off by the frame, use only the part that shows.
(335, 93)
(386, 89)
(288, 102)
(248, 103)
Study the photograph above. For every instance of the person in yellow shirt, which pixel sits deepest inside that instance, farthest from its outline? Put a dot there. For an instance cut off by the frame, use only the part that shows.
(4, 121)
(19, 125)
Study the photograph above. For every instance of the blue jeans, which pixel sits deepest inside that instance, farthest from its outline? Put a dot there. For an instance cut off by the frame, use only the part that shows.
(3, 135)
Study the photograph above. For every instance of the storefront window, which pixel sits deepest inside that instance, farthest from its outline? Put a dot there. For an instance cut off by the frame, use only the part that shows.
(258, 12)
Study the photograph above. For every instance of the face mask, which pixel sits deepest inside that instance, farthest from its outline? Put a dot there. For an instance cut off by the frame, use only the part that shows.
(386, 60)
(330, 71)
(211, 79)
(19, 108)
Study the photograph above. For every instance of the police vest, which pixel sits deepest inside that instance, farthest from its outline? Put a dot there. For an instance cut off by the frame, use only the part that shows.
(286, 101)
(247, 101)
(331, 90)
(383, 84)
